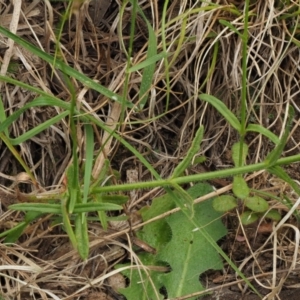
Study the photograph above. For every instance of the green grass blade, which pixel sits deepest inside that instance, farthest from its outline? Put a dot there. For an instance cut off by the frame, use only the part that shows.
(231, 27)
(182, 38)
(151, 52)
(48, 208)
(66, 221)
(89, 135)
(44, 95)
(212, 65)
(2, 115)
(148, 61)
(276, 153)
(282, 174)
(73, 172)
(65, 68)
(183, 165)
(36, 130)
(81, 234)
(13, 234)
(41, 101)
(101, 214)
(92, 207)
(223, 110)
(73, 190)
(16, 154)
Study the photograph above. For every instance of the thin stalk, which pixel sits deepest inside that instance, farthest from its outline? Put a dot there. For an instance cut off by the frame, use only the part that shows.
(196, 177)
(164, 45)
(244, 83)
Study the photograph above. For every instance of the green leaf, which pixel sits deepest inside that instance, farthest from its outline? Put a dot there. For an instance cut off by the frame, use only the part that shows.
(236, 153)
(233, 28)
(188, 253)
(13, 234)
(224, 203)
(194, 149)
(273, 215)
(281, 173)
(199, 160)
(89, 136)
(223, 110)
(89, 82)
(240, 187)
(3, 116)
(276, 153)
(36, 130)
(66, 221)
(56, 208)
(149, 61)
(116, 199)
(40, 101)
(256, 204)
(81, 233)
(249, 217)
(151, 58)
(183, 200)
(264, 131)
(178, 244)
(101, 214)
(140, 287)
(73, 188)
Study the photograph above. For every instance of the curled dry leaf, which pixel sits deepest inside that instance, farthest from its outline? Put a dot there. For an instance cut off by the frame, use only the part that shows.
(116, 282)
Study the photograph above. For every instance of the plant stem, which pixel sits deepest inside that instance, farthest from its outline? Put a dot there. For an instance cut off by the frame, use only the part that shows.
(196, 177)
(244, 83)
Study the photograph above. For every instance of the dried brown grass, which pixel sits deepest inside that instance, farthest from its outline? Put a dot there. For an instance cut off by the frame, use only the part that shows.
(43, 265)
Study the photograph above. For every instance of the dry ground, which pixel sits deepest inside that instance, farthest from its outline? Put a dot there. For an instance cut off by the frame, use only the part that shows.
(92, 43)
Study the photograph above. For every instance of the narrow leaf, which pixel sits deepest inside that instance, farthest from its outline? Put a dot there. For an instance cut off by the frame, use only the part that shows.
(2, 115)
(223, 110)
(185, 163)
(264, 131)
(236, 153)
(148, 61)
(65, 68)
(116, 199)
(282, 174)
(36, 130)
(13, 234)
(276, 153)
(230, 26)
(81, 234)
(40, 101)
(89, 141)
(101, 214)
(56, 208)
(72, 187)
(148, 70)
(67, 223)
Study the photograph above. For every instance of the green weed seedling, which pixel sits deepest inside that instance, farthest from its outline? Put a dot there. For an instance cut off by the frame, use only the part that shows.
(256, 206)
(182, 250)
